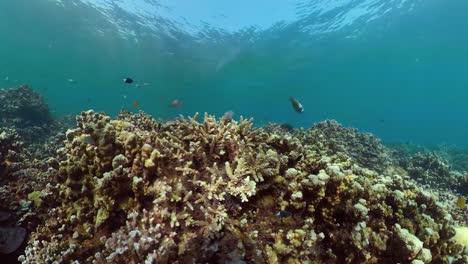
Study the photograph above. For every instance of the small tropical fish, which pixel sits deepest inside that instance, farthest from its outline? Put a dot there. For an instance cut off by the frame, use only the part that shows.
(71, 81)
(296, 105)
(146, 84)
(228, 115)
(176, 103)
(7, 79)
(461, 202)
(284, 213)
(128, 80)
(136, 104)
(88, 139)
(137, 85)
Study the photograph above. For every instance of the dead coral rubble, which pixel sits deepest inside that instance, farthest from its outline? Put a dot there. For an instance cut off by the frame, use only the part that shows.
(132, 190)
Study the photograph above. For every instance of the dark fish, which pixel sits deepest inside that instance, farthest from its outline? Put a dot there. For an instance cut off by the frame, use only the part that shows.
(136, 104)
(296, 104)
(128, 80)
(284, 213)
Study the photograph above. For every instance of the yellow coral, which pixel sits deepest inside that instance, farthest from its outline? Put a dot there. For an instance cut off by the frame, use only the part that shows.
(35, 198)
(461, 235)
(101, 216)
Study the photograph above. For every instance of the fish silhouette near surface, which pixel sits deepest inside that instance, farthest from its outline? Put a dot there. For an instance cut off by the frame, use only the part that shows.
(296, 105)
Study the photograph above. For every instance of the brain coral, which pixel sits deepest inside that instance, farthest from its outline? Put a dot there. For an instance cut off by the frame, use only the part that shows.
(132, 190)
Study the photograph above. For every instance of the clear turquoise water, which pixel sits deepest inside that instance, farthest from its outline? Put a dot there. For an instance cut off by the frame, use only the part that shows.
(402, 76)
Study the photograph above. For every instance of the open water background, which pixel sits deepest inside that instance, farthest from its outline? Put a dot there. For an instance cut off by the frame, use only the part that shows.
(398, 69)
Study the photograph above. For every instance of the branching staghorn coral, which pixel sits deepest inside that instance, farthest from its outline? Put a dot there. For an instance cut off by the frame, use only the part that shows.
(221, 191)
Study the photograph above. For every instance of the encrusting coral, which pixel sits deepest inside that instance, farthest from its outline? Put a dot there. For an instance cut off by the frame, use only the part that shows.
(133, 190)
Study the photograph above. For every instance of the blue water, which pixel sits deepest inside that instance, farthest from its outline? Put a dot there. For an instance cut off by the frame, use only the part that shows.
(398, 69)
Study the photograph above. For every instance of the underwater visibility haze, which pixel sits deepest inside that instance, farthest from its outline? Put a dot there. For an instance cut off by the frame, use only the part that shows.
(394, 68)
(210, 131)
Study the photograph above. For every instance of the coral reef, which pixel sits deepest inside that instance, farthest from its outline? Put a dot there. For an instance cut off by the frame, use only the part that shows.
(22, 173)
(279, 129)
(133, 190)
(462, 235)
(11, 158)
(458, 159)
(439, 170)
(432, 169)
(10, 147)
(25, 110)
(330, 138)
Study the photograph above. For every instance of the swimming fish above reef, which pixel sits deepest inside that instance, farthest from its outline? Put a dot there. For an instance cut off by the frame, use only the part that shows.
(461, 202)
(136, 104)
(128, 80)
(296, 104)
(228, 115)
(175, 103)
(71, 81)
(284, 213)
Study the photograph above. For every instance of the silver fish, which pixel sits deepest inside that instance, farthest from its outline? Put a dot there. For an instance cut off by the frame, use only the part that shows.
(296, 104)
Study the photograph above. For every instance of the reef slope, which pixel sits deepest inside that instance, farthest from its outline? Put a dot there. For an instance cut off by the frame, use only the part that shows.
(132, 190)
